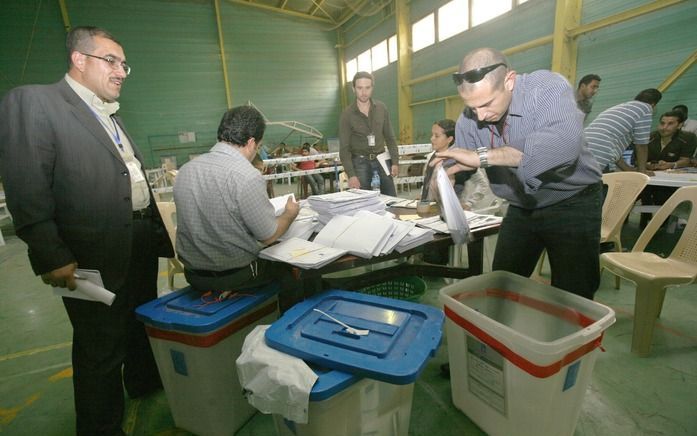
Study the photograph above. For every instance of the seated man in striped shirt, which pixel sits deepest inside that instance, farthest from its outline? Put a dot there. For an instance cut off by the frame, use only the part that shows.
(616, 128)
(527, 132)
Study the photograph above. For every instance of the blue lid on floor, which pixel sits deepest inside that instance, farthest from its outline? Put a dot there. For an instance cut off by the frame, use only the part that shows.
(189, 311)
(403, 335)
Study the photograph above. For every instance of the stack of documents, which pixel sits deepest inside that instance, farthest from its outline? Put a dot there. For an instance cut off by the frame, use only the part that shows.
(363, 236)
(301, 253)
(345, 203)
(414, 238)
(475, 221)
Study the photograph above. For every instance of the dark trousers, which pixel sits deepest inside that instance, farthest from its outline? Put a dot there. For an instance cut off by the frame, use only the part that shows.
(568, 230)
(316, 182)
(364, 171)
(110, 347)
(260, 273)
(654, 195)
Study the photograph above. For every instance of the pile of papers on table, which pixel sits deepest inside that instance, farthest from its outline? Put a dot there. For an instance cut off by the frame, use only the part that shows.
(347, 203)
(365, 235)
(475, 221)
(302, 253)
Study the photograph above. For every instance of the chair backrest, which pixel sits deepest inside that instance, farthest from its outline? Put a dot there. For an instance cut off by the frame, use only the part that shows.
(623, 188)
(686, 248)
(168, 210)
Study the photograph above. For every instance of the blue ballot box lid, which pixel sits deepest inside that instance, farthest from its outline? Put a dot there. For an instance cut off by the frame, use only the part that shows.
(330, 382)
(189, 311)
(402, 335)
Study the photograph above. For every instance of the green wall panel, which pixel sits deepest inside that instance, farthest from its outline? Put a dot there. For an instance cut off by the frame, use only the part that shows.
(288, 67)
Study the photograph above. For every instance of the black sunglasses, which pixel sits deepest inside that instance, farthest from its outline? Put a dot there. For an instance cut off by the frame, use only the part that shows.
(474, 76)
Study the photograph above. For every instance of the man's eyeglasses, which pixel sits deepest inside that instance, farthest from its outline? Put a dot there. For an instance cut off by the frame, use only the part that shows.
(113, 62)
(474, 76)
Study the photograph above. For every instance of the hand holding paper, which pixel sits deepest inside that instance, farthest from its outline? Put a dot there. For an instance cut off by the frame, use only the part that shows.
(89, 287)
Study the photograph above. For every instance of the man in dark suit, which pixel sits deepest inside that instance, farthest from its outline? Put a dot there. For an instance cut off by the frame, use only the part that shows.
(79, 198)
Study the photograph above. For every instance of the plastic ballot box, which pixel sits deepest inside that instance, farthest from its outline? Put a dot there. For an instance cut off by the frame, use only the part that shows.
(343, 404)
(370, 350)
(196, 339)
(521, 353)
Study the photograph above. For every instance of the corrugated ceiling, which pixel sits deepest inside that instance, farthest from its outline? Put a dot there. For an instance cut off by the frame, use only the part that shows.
(332, 12)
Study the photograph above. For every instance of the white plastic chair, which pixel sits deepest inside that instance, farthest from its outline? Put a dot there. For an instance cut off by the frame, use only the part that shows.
(623, 189)
(168, 210)
(652, 273)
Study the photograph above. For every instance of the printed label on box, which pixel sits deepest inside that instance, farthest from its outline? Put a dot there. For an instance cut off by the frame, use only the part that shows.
(485, 374)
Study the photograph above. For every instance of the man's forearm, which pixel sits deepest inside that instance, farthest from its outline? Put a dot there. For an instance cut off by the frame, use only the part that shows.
(642, 154)
(504, 156)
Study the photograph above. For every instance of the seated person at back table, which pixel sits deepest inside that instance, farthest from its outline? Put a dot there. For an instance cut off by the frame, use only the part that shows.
(316, 181)
(224, 217)
(669, 148)
(472, 188)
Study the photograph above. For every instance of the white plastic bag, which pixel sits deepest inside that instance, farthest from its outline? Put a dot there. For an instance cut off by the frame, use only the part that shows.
(274, 382)
(450, 208)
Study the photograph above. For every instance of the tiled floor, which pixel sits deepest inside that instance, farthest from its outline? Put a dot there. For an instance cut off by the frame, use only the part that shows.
(626, 396)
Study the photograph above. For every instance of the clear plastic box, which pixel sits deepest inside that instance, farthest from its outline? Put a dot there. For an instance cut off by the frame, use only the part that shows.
(521, 353)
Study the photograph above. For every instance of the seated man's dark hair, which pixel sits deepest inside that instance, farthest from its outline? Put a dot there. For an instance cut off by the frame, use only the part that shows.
(680, 115)
(241, 123)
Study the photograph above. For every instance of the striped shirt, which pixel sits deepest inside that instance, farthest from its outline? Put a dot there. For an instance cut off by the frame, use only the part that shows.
(544, 123)
(222, 210)
(615, 128)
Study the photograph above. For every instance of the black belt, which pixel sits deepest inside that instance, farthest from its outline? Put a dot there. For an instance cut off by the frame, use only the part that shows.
(369, 156)
(142, 213)
(209, 273)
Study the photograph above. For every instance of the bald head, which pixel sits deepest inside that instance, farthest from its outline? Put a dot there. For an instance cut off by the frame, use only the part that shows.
(485, 83)
(481, 58)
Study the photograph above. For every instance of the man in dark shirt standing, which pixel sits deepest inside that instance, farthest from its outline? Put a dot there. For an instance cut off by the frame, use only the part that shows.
(364, 132)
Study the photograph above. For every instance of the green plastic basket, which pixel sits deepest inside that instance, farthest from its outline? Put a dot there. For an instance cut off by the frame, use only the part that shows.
(409, 288)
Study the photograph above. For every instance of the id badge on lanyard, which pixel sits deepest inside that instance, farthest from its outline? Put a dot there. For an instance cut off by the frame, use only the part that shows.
(371, 140)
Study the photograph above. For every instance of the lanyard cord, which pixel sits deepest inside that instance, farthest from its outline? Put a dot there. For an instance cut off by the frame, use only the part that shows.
(115, 134)
(503, 134)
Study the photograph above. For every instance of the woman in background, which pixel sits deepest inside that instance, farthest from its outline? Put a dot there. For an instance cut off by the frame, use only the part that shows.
(472, 188)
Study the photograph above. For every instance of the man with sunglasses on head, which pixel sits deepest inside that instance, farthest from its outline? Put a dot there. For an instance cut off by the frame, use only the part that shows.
(527, 133)
(79, 199)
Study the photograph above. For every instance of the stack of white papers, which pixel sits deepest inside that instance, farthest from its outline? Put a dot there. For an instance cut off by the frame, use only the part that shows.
(416, 236)
(301, 253)
(475, 221)
(345, 203)
(399, 202)
(364, 236)
(400, 230)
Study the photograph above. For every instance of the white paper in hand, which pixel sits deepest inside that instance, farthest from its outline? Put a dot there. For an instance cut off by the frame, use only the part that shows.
(89, 287)
(450, 208)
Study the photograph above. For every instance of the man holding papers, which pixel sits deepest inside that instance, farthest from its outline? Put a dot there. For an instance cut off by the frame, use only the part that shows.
(365, 133)
(527, 133)
(79, 198)
(224, 217)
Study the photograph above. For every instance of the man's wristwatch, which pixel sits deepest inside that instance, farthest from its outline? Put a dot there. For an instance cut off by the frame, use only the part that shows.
(483, 153)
